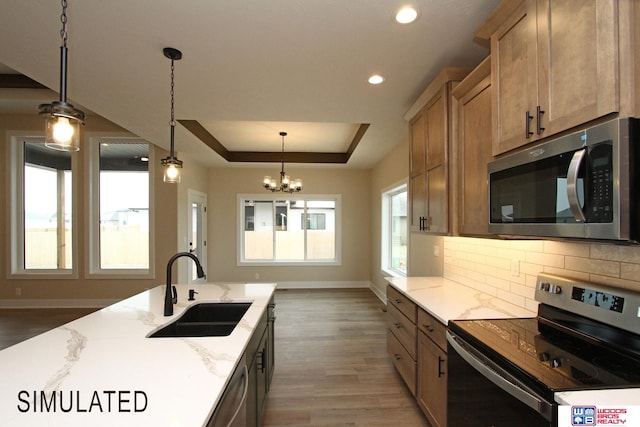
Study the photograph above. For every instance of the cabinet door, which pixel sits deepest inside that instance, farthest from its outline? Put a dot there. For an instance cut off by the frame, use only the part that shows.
(417, 145)
(436, 129)
(578, 63)
(437, 200)
(514, 80)
(418, 196)
(432, 381)
(475, 153)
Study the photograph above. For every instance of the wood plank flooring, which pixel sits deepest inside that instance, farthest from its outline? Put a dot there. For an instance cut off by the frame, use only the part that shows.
(332, 368)
(19, 324)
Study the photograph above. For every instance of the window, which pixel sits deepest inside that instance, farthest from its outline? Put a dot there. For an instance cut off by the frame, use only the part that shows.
(121, 218)
(394, 230)
(289, 230)
(41, 214)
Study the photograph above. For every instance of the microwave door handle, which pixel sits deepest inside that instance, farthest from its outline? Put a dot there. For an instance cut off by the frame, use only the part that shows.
(572, 184)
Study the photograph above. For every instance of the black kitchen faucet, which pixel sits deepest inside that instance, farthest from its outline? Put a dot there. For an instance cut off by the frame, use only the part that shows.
(171, 295)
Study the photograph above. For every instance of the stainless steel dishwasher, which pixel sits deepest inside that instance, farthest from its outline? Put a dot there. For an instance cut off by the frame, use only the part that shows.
(232, 408)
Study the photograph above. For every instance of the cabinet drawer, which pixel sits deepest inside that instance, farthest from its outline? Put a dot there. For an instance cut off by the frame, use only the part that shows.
(404, 330)
(403, 363)
(433, 328)
(402, 303)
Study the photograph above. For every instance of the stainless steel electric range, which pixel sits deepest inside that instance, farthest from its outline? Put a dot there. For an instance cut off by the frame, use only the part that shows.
(505, 372)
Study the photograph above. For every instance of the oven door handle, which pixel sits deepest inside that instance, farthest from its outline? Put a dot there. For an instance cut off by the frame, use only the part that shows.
(500, 377)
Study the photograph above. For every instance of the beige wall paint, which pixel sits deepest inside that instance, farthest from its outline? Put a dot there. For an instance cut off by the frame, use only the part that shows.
(223, 216)
(194, 176)
(391, 171)
(37, 291)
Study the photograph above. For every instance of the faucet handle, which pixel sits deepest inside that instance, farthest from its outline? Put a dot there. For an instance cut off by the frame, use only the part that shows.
(175, 294)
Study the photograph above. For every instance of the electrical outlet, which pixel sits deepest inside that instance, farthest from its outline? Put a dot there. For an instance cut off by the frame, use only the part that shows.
(18, 291)
(515, 267)
(436, 251)
(257, 276)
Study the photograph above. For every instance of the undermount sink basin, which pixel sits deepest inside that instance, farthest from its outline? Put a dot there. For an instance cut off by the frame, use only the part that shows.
(207, 319)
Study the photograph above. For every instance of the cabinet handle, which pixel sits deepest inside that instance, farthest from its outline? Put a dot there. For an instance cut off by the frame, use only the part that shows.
(397, 325)
(440, 371)
(539, 113)
(428, 327)
(397, 301)
(421, 226)
(397, 356)
(527, 132)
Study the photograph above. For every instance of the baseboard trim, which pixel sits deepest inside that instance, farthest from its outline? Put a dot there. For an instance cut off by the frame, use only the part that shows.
(379, 293)
(325, 285)
(56, 303)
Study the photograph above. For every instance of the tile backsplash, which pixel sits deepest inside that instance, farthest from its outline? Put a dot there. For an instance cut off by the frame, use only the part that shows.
(507, 269)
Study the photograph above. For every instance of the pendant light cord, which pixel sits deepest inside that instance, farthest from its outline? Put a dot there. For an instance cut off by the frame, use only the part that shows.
(172, 123)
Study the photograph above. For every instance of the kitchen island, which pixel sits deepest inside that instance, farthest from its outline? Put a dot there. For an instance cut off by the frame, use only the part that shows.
(102, 369)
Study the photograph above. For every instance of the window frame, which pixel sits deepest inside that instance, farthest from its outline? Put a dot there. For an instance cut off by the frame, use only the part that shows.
(241, 198)
(93, 265)
(386, 229)
(16, 222)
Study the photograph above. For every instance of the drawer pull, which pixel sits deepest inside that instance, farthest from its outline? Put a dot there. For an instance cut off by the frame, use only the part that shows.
(428, 327)
(397, 301)
(397, 356)
(397, 325)
(440, 371)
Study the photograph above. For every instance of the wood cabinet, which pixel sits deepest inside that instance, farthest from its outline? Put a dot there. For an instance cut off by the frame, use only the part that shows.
(416, 343)
(556, 65)
(259, 356)
(474, 149)
(401, 336)
(432, 369)
(431, 127)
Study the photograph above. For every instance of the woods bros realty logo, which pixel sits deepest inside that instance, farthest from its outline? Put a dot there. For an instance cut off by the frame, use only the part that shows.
(590, 415)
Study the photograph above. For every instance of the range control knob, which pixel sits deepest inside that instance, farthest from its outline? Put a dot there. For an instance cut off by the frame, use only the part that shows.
(556, 363)
(556, 289)
(544, 356)
(544, 286)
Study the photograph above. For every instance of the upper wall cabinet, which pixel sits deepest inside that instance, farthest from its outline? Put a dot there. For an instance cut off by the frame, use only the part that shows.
(474, 149)
(559, 64)
(431, 125)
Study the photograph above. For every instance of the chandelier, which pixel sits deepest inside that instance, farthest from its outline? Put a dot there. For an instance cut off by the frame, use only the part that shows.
(286, 185)
(62, 119)
(172, 164)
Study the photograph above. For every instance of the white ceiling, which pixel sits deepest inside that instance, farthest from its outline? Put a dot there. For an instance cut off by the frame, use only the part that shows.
(250, 68)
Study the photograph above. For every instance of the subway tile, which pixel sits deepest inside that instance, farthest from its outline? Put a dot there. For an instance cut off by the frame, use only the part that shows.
(577, 263)
(531, 269)
(620, 253)
(550, 260)
(512, 298)
(578, 275)
(604, 268)
(566, 248)
(528, 245)
(630, 271)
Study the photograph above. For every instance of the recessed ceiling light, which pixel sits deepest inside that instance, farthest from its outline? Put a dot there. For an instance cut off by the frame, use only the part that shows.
(376, 79)
(406, 15)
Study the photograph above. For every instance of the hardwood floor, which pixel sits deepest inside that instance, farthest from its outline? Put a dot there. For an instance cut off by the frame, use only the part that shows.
(19, 324)
(332, 368)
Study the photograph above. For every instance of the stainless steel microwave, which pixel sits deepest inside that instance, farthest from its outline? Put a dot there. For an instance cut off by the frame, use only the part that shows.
(583, 185)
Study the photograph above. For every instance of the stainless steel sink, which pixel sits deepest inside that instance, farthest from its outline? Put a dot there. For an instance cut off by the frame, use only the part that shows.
(207, 319)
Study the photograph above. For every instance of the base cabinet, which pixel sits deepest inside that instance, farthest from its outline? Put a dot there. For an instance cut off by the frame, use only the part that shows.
(432, 381)
(416, 344)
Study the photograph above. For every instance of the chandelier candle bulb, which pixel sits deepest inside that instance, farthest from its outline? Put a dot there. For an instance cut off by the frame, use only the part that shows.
(287, 185)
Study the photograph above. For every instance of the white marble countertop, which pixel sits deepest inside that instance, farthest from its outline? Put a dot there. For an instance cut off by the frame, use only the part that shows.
(104, 368)
(448, 300)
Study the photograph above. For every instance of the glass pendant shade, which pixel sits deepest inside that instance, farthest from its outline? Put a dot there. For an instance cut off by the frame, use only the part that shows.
(62, 133)
(171, 174)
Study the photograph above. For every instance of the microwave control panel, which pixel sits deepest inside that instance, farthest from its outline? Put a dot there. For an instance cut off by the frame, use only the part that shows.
(600, 201)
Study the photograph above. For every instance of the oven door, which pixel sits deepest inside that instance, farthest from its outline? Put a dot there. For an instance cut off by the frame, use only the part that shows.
(481, 393)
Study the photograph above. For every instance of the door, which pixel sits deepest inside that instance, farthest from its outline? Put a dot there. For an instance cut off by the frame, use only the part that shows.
(196, 232)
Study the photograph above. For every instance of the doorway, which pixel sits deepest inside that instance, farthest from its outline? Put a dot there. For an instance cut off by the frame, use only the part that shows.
(197, 232)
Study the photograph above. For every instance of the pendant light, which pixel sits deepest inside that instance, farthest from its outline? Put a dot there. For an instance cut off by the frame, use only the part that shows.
(286, 185)
(62, 119)
(172, 164)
